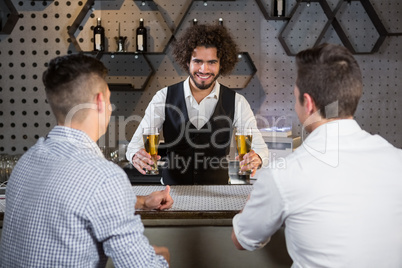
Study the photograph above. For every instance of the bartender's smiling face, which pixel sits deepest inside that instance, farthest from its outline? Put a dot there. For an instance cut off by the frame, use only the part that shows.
(204, 67)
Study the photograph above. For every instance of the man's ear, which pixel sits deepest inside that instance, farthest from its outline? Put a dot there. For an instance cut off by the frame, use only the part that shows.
(309, 104)
(100, 103)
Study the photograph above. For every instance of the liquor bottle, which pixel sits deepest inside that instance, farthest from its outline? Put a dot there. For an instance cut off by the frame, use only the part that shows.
(220, 22)
(141, 37)
(1, 18)
(99, 36)
(279, 8)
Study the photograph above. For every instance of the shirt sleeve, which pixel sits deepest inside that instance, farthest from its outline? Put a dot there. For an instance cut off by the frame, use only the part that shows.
(244, 116)
(262, 215)
(113, 222)
(154, 116)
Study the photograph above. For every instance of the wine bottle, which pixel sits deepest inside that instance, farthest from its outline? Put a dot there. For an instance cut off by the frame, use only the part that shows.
(99, 36)
(1, 18)
(279, 8)
(141, 37)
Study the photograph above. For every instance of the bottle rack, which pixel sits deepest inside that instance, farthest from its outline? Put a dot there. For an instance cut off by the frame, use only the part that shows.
(110, 59)
(123, 74)
(331, 20)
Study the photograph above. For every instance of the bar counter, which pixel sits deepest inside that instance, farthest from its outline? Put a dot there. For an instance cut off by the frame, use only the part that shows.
(202, 205)
(197, 229)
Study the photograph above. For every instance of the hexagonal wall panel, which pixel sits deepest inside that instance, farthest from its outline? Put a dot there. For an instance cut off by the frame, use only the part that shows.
(120, 18)
(366, 40)
(302, 32)
(309, 20)
(9, 17)
(242, 74)
(127, 71)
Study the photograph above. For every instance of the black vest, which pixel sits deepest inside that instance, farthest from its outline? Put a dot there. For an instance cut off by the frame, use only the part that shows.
(197, 156)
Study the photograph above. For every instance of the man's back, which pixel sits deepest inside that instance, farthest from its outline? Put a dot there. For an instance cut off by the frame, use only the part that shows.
(339, 198)
(66, 205)
(343, 197)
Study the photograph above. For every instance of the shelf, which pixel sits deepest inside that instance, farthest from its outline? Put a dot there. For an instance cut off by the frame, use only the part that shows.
(244, 71)
(11, 16)
(121, 87)
(84, 11)
(127, 71)
(131, 71)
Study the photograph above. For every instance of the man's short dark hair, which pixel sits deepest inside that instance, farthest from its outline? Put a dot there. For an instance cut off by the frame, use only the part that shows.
(216, 36)
(70, 80)
(329, 73)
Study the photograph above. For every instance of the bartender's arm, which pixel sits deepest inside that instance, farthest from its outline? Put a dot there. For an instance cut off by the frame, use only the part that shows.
(154, 116)
(142, 160)
(251, 161)
(258, 155)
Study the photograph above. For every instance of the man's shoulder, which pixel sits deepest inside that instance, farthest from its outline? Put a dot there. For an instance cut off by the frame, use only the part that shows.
(99, 165)
(228, 92)
(176, 86)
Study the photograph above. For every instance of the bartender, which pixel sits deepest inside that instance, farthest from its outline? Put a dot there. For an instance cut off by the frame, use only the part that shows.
(198, 115)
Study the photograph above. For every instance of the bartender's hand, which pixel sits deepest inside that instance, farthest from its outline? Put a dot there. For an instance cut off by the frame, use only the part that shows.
(142, 160)
(157, 200)
(252, 161)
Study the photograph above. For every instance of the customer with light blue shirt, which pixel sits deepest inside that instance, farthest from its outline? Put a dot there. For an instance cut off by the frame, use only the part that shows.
(339, 198)
(67, 206)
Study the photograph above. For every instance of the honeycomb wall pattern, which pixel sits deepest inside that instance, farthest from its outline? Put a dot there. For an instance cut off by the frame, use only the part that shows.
(265, 75)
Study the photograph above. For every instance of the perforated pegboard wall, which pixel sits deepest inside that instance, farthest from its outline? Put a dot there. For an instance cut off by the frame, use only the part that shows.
(41, 34)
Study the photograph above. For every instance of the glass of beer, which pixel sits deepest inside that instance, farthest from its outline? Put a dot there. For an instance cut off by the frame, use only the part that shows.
(244, 137)
(151, 142)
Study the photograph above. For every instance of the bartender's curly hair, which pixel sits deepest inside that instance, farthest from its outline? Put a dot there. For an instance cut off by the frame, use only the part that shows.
(209, 36)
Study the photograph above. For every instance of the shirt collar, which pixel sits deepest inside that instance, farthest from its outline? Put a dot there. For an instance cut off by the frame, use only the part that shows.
(336, 128)
(214, 93)
(74, 136)
(340, 127)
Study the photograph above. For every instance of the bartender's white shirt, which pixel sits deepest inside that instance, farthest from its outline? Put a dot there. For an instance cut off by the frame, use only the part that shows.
(339, 198)
(199, 114)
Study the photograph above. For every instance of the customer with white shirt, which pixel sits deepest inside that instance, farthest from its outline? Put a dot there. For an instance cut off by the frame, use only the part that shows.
(339, 197)
(198, 115)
